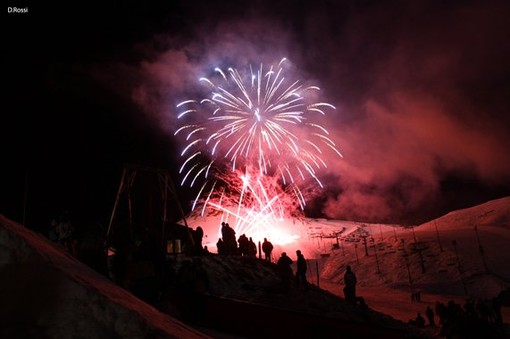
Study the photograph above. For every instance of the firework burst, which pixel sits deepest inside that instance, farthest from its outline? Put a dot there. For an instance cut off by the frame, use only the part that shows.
(254, 125)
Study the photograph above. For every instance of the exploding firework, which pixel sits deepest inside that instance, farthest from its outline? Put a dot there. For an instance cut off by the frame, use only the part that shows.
(252, 142)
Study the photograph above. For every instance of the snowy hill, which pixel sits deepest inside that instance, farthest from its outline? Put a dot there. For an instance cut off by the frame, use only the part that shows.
(445, 259)
(444, 256)
(45, 293)
(463, 252)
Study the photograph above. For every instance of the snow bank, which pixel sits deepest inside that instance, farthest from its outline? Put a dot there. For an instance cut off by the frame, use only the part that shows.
(46, 293)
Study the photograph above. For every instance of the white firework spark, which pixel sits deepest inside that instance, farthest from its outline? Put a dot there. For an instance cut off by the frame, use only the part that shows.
(258, 122)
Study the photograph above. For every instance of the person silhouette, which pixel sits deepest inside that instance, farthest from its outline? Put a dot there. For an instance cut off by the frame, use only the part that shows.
(430, 316)
(220, 245)
(350, 281)
(419, 321)
(285, 270)
(267, 248)
(229, 239)
(301, 270)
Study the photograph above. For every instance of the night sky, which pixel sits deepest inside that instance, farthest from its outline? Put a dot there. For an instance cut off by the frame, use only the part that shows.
(422, 91)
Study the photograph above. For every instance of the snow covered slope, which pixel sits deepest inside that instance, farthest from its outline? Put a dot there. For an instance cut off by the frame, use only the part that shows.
(45, 293)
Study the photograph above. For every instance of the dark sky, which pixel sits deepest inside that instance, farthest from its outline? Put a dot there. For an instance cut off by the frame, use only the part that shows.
(422, 91)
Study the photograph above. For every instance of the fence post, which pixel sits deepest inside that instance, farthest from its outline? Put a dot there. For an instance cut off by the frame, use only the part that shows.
(317, 270)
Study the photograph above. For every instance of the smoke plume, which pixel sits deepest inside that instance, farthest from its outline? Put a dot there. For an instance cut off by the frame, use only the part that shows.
(421, 91)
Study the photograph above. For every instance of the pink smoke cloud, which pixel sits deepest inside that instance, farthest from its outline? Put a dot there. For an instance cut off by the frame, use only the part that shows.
(419, 92)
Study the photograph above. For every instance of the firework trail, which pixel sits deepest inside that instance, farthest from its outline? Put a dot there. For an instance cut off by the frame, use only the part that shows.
(254, 125)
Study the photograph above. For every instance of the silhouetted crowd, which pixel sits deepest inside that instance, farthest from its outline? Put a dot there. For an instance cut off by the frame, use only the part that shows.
(244, 246)
(475, 319)
(136, 257)
(136, 261)
(192, 281)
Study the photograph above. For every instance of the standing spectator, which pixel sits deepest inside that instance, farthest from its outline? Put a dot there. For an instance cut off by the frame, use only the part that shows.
(220, 245)
(285, 270)
(419, 321)
(198, 235)
(252, 248)
(430, 316)
(229, 239)
(350, 281)
(244, 244)
(440, 311)
(301, 270)
(267, 248)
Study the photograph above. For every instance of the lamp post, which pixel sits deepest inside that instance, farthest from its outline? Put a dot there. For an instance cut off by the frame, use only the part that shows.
(376, 257)
(409, 272)
(480, 248)
(405, 255)
(459, 266)
(341, 245)
(422, 261)
(356, 251)
(438, 239)
(365, 244)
